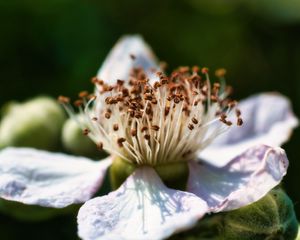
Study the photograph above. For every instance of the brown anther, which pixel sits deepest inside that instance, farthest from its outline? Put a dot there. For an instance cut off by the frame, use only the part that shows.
(133, 132)
(132, 56)
(94, 80)
(143, 129)
(91, 97)
(78, 103)
(228, 123)
(107, 115)
(100, 146)
(155, 127)
(194, 93)
(195, 69)
(217, 86)
(138, 114)
(177, 99)
(167, 110)
(214, 98)
(238, 112)
(148, 96)
(119, 98)
(120, 82)
(86, 131)
(223, 116)
(205, 70)
(147, 137)
(194, 120)
(184, 69)
(125, 92)
(163, 65)
(83, 94)
(157, 85)
(63, 99)
(220, 72)
(159, 74)
(169, 98)
(116, 127)
(120, 141)
(148, 110)
(164, 80)
(95, 119)
(232, 104)
(154, 101)
(239, 122)
(191, 126)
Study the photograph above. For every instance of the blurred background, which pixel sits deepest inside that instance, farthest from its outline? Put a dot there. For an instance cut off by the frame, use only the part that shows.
(54, 47)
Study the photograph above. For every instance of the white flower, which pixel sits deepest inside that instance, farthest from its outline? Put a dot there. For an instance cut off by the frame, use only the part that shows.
(151, 121)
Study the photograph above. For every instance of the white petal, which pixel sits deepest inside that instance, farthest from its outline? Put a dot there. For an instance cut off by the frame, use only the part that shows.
(47, 179)
(142, 208)
(118, 63)
(268, 119)
(244, 180)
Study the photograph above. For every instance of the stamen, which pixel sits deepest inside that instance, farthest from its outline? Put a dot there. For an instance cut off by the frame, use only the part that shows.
(169, 120)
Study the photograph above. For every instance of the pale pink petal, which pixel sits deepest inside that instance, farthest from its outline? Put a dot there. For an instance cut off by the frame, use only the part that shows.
(119, 61)
(47, 179)
(244, 180)
(142, 208)
(268, 119)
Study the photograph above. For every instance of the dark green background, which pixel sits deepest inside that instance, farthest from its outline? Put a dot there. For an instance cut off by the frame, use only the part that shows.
(54, 47)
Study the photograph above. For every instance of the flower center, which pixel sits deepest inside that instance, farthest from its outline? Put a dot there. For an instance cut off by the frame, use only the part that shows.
(157, 122)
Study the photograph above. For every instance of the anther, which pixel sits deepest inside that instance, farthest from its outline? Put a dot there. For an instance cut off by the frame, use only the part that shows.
(120, 141)
(116, 127)
(107, 115)
(133, 132)
(220, 72)
(145, 128)
(100, 146)
(239, 122)
(63, 99)
(147, 136)
(86, 131)
(155, 127)
(204, 70)
(78, 103)
(83, 94)
(194, 120)
(191, 126)
(132, 56)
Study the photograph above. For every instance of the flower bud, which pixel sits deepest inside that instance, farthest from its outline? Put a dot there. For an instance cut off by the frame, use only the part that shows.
(35, 123)
(76, 142)
(174, 175)
(272, 217)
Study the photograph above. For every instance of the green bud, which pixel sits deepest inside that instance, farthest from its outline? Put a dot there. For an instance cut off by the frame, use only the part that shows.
(75, 142)
(271, 218)
(36, 123)
(174, 175)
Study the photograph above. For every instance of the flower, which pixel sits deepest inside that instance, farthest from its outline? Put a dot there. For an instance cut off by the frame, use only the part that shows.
(157, 132)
